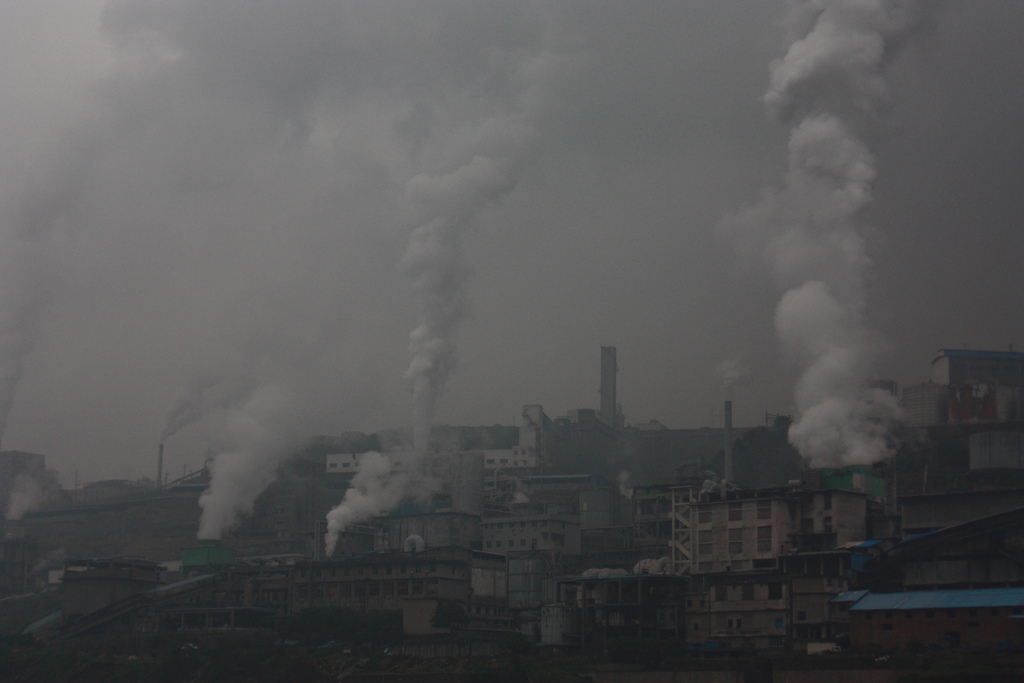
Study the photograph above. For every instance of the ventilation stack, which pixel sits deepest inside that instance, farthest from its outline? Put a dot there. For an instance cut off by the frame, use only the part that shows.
(160, 466)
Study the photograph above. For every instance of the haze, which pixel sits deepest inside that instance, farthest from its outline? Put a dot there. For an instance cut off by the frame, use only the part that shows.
(201, 194)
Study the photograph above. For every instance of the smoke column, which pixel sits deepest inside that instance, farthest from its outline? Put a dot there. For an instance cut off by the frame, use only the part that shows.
(260, 435)
(374, 489)
(493, 153)
(830, 89)
(24, 295)
(437, 265)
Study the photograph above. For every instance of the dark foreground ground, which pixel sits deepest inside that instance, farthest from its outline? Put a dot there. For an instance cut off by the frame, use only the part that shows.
(259, 657)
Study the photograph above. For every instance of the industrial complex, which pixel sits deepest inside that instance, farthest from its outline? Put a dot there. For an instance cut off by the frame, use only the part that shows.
(720, 538)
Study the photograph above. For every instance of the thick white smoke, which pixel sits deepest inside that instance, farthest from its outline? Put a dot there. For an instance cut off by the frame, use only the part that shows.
(830, 88)
(261, 433)
(374, 489)
(486, 159)
(30, 492)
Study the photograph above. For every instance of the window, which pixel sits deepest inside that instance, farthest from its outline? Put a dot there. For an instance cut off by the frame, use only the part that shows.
(886, 627)
(721, 595)
(748, 591)
(704, 549)
(704, 517)
(929, 613)
(735, 534)
(764, 509)
(801, 616)
(735, 512)
(736, 548)
(909, 614)
(828, 500)
(774, 591)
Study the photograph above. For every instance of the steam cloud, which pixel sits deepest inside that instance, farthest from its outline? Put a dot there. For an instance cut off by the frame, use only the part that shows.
(30, 491)
(374, 489)
(830, 88)
(493, 152)
(261, 433)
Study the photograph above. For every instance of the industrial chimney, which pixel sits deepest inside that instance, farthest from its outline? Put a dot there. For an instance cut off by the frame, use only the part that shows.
(609, 367)
(160, 466)
(727, 475)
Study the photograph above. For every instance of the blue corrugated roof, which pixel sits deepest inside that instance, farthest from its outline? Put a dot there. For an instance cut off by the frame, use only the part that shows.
(977, 597)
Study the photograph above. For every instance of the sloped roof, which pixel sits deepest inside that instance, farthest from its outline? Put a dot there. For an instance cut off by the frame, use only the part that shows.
(949, 599)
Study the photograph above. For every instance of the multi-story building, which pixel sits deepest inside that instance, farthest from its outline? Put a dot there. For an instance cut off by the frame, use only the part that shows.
(743, 611)
(979, 618)
(748, 530)
(439, 529)
(543, 532)
(652, 520)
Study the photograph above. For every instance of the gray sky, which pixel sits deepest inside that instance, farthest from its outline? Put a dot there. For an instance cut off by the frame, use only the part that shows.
(220, 189)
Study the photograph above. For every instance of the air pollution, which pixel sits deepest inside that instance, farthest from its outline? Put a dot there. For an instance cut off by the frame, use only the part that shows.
(830, 88)
(448, 204)
(260, 434)
(23, 298)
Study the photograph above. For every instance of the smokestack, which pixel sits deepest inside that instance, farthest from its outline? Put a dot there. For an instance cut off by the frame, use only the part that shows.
(728, 441)
(609, 367)
(160, 466)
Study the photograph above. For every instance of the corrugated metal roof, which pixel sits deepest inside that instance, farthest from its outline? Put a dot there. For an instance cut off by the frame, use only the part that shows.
(978, 597)
(849, 596)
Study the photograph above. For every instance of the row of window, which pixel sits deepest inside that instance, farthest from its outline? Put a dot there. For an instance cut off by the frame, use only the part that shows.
(348, 589)
(373, 570)
(512, 543)
(746, 591)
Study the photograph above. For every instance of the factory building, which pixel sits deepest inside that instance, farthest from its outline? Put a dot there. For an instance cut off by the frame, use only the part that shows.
(968, 387)
(972, 618)
(544, 532)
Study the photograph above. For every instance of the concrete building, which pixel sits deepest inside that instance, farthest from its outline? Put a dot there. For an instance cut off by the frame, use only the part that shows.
(748, 530)
(978, 618)
(91, 584)
(652, 520)
(985, 552)
(440, 529)
(969, 387)
(625, 605)
(744, 611)
(414, 582)
(544, 532)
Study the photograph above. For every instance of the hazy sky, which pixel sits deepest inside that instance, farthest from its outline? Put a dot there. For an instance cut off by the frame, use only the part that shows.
(220, 190)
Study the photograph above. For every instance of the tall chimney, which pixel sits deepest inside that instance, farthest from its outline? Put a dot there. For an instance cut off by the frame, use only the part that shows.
(609, 367)
(160, 466)
(728, 441)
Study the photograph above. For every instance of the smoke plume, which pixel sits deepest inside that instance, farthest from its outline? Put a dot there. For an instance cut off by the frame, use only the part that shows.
(436, 262)
(260, 434)
(374, 489)
(24, 294)
(30, 491)
(831, 89)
